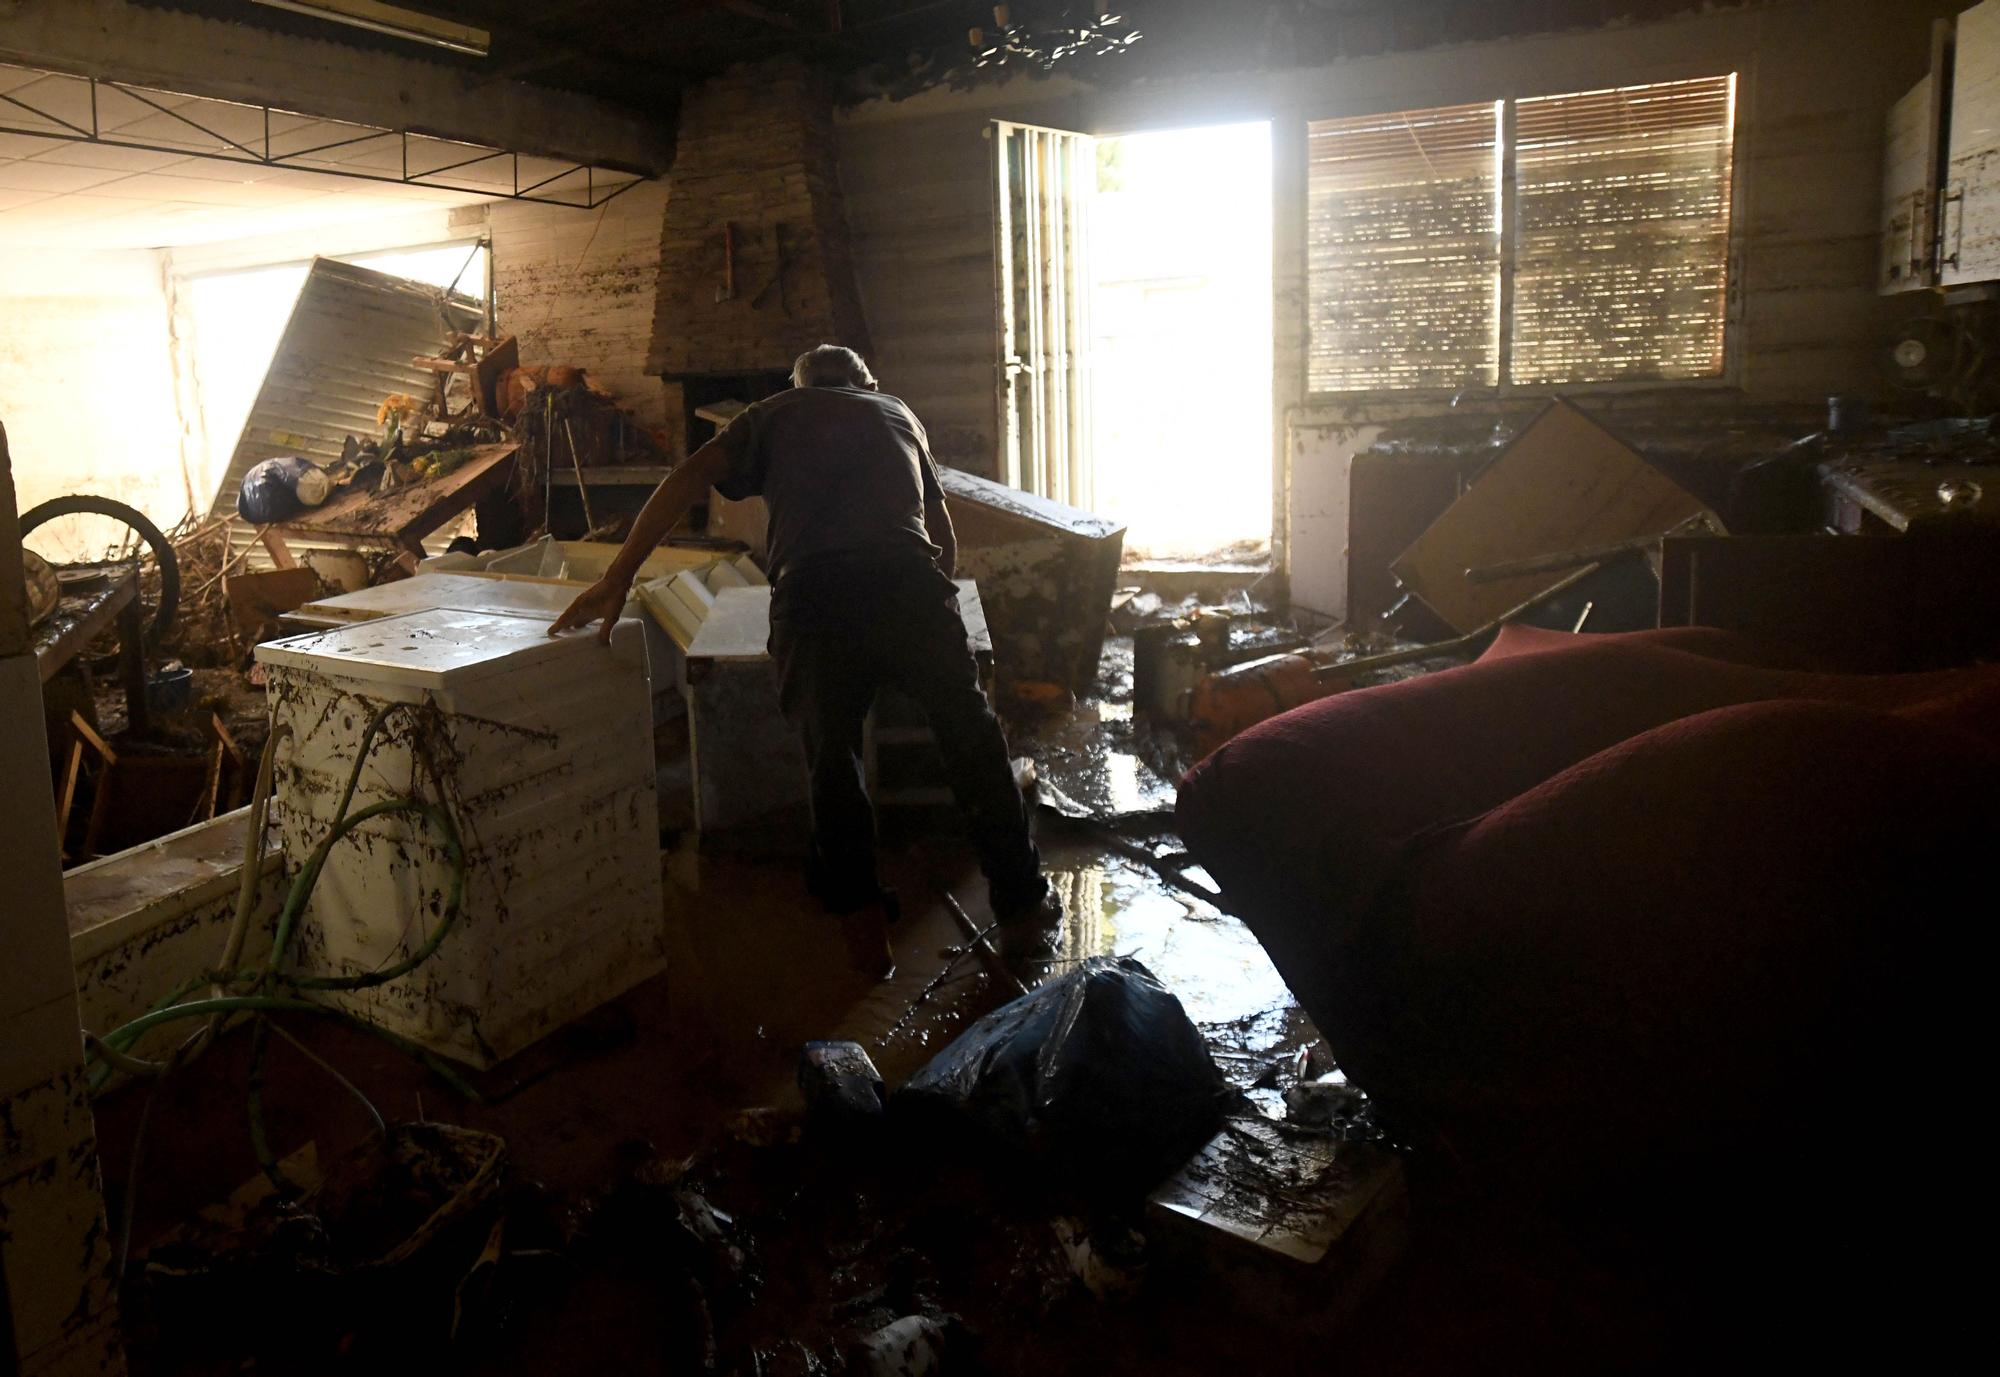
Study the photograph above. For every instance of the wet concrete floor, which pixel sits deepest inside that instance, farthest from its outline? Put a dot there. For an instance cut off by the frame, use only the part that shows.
(698, 1066)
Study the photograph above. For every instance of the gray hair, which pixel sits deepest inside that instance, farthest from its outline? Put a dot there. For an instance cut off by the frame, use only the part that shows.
(831, 365)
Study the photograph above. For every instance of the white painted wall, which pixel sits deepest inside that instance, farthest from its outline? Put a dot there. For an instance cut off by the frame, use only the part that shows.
(87, 382)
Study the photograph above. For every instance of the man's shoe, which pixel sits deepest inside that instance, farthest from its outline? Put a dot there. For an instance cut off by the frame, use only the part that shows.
(1033, 935)
(866, 936)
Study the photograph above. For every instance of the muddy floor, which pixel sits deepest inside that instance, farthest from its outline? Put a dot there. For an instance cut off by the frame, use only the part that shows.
(666, 1206)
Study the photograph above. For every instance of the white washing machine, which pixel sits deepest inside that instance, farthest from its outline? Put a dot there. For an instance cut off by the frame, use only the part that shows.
(542, 750)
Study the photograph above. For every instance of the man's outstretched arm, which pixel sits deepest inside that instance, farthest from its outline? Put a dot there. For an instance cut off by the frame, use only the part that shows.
(678, 491)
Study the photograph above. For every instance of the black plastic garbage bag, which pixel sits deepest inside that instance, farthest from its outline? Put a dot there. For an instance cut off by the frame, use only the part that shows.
(1100, 1068)
(279, 489)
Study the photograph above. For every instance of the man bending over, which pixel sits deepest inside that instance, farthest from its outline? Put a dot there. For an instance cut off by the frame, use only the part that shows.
(861, 556)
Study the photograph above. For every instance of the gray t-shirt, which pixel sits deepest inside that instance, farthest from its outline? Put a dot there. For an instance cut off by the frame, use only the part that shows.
(844, 471)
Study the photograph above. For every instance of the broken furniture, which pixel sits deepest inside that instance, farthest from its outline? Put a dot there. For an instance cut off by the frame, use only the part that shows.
(540, 750)
(1047, 571)
(1609, 907)
(85, 614)
(1879, 493)
(135, 795)
(362, 328)
(260, 599)
(1564, 483)
(481, 362)
(1286, 1198)
(401, 519)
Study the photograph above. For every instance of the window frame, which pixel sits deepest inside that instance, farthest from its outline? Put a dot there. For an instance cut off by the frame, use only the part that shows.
(1729, 379)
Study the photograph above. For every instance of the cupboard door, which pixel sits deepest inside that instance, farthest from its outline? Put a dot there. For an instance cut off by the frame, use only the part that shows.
(1971, 245)
(1909, 193)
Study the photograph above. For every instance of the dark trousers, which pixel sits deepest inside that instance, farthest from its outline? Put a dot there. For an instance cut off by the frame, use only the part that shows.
(842, 630)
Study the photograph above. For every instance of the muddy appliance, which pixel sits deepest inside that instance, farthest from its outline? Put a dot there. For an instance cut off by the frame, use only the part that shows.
(540, 751)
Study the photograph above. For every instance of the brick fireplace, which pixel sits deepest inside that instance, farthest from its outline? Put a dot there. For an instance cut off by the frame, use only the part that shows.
(755, 265)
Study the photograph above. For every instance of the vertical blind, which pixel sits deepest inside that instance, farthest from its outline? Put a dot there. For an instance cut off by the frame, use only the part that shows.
(1622, 249)
(1618, 263)
(1403, 250)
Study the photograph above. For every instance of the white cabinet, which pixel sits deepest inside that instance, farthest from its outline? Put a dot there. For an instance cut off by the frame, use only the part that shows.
(1909, 192)
(1971, 239)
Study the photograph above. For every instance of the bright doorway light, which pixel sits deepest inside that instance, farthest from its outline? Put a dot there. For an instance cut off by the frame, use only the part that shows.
(1181, 350)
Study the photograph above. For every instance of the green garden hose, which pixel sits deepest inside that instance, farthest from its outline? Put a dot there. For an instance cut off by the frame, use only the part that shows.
(264, 991)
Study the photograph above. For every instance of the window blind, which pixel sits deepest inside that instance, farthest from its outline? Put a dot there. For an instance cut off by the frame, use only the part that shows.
(1403, 250)
(1622, 241)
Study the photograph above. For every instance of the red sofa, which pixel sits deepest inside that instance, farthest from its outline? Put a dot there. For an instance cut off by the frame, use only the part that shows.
(1596, 905)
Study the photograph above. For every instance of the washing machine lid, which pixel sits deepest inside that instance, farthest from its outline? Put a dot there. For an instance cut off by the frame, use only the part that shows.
(440, 647)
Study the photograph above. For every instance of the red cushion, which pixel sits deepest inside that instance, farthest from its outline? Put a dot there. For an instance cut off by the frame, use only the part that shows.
(1597, 895)
(1310, 807)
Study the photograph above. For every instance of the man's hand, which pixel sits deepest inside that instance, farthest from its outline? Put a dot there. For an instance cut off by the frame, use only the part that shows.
(602, 601)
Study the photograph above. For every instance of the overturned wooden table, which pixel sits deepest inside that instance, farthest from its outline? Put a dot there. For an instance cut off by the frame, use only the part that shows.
(399, 519)
(82, 616)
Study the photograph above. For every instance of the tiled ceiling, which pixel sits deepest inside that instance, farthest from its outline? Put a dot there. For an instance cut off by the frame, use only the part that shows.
(199, 175)
(81, 196)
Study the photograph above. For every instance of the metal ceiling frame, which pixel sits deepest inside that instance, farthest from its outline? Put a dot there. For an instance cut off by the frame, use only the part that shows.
(232, 151)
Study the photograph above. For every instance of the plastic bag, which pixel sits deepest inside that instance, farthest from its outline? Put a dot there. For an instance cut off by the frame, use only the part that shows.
(278, 489)
(1100, 1067)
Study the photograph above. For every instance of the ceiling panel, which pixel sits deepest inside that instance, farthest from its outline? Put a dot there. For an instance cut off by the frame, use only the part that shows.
(58, 194)
(36, 175)
(119, 160)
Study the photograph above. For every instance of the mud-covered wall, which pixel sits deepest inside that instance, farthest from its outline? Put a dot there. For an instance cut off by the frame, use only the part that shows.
(579, 287)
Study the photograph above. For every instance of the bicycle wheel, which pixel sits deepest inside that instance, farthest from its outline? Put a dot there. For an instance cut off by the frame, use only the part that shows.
(81, 531)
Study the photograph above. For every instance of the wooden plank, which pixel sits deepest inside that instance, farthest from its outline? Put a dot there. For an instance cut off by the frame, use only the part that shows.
(79, 619)
(1906, 492)
(409, 513)
(498, 360)
(274, 545)
(1564, 483)
(259, 598)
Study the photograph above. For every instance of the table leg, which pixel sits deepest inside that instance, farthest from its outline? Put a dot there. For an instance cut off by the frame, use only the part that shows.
(274, 545)
(132, 667)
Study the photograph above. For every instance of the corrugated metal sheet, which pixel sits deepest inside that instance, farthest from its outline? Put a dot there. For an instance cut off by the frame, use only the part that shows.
(348, 345)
